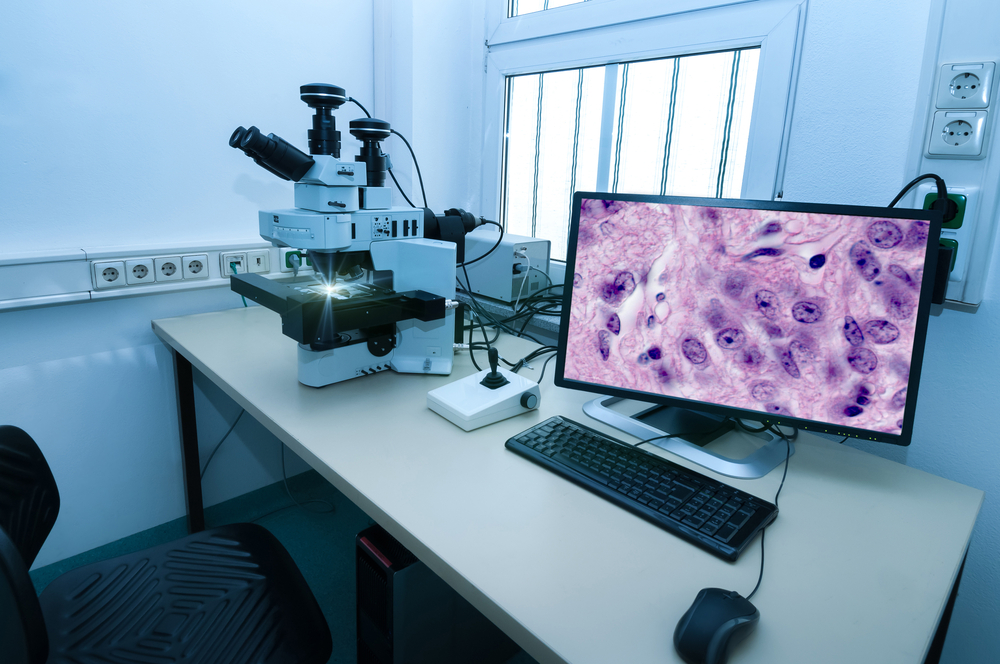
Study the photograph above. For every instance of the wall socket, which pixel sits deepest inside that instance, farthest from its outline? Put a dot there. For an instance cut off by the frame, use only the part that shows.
(195, 267)
(965, 85)
(109, 274)
(140, 271)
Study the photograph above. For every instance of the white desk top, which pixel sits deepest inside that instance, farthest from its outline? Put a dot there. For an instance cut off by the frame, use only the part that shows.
(859, 562)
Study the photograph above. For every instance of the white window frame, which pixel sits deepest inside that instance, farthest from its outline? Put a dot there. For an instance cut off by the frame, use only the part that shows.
(608, 31)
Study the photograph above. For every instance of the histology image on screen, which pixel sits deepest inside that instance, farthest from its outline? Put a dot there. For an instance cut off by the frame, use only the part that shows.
(804, 315)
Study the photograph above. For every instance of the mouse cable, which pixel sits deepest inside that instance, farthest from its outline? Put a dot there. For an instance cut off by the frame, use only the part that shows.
(784, 474)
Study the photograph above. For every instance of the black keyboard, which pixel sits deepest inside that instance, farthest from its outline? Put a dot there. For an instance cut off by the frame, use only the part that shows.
(699, 509)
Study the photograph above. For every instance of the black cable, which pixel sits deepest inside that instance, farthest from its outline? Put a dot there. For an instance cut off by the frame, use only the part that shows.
(784, 474)
(400, 189)
(358, 104)
(545, 364)
(219, 444)
(492, 249)
(391, 174)
(943, 203)
(414, 155)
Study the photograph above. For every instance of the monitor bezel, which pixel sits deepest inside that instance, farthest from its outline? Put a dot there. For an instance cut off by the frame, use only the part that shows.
(904, 438)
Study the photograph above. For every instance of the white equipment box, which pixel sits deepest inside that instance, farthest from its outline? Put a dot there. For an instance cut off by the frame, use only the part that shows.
(518, 268)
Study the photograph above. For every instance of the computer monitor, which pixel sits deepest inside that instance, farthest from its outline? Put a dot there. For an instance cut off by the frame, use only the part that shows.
(715, 310)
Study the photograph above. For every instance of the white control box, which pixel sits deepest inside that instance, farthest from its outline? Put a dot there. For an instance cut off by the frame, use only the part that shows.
(516, 269)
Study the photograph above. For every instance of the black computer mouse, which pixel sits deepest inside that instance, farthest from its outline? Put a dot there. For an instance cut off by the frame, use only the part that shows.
(716, 621)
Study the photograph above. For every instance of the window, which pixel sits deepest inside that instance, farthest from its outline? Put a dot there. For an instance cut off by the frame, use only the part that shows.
(521, 7)
(623, 95)
(677, 126)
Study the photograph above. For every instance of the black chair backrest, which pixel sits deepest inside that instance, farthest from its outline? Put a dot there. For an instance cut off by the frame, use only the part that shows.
(29, 498)
(22, 626)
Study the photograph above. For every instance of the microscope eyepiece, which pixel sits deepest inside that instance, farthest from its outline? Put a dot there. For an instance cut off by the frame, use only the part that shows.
(234, 140)
(272, 152)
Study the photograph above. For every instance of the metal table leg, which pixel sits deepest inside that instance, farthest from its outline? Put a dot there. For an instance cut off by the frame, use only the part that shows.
(189, 443)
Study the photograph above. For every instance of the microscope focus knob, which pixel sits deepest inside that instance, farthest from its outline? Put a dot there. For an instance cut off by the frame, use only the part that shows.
(529, 400)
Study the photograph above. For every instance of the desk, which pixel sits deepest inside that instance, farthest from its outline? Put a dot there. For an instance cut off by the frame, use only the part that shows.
(860, 561)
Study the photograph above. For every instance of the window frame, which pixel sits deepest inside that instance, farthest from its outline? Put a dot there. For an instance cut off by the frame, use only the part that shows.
(602, 32)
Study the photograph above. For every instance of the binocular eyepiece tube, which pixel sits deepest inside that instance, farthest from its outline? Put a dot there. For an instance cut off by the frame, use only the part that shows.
(272, 153)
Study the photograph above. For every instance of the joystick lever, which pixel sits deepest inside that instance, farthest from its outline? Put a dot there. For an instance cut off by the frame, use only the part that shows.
(494, 378)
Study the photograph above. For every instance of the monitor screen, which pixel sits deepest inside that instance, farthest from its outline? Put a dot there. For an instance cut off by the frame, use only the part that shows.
(812, 316)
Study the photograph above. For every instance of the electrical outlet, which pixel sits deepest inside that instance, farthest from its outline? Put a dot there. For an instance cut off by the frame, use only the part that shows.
(958, 232)
(168, 269)
(957, 134)
(965, 85)
(286, 260)
(259, 261)
(139, 271)
(231, 260)
(110, 274)
(195, 267)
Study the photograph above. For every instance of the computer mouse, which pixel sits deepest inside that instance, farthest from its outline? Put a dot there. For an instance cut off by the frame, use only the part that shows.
(716, 621)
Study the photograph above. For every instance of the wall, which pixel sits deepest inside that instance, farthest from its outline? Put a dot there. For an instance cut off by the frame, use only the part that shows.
(836, 156)
(116, 118)
(861, 100)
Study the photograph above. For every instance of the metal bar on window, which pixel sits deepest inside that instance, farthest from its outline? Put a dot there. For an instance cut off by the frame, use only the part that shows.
(538, 139)
(504, 184)
(727, 132)
(607, 124)
(621, 123)
(576, 131)
(671, 111)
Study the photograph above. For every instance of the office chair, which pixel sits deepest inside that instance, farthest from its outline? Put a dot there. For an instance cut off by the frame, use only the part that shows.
(228, 595)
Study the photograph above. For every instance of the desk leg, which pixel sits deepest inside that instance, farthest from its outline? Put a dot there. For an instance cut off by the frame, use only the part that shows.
(189, 443)
(937, 645)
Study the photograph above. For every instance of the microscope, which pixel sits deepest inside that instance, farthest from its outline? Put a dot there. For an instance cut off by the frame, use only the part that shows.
(382, 295)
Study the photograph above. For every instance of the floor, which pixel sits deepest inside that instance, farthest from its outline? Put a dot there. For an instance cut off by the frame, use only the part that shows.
(318, 532)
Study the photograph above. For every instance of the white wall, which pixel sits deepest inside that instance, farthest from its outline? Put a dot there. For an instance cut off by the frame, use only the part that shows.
(861, 98)
(116, 118)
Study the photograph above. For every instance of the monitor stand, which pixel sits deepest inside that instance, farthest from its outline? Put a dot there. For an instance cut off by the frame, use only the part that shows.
(659, 420)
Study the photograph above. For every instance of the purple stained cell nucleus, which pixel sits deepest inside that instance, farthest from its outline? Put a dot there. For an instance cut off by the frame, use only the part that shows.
(763, 251)
(772, 330)
(852, 332)
(881, 331)
(614, 293)
(763, 391)
(864, 260)
(916, 235)
(660, 297)
(651, 321)
(614, 324)
(694, 351)
(900, 273)
(773, 227)
(853, 411)
(767, 303)
(604, 344)
(735, 283)
(898, 399)
(789, 365)
(883, 234)
(752, 357)
(715, 315)
(807, 312)
(900, 306)
(731, 338)
(862, 360)
(654, 353)
(577, 280)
